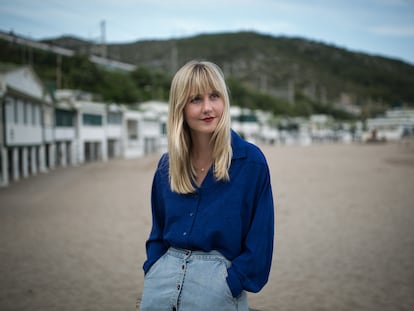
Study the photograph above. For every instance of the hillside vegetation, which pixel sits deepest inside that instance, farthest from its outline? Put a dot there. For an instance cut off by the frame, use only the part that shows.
(290, 76)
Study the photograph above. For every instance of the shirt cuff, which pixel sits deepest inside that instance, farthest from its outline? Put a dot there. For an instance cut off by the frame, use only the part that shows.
(234, 283)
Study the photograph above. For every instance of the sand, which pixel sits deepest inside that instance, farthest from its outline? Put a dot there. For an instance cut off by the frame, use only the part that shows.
(73, 239)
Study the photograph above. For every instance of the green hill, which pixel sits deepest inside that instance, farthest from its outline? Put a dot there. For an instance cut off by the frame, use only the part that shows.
(287, 75)
(272, 64)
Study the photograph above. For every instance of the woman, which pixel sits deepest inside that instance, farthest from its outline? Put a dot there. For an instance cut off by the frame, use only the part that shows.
(212, 206)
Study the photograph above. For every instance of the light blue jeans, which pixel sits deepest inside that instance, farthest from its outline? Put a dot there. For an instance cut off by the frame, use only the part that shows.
(184, 280)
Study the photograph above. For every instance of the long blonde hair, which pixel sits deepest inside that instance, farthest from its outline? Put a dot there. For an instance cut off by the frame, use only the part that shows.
(196, 77)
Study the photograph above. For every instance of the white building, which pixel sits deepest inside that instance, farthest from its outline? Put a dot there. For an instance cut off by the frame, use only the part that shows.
(27, 124)
(155, 129)
(65, 134)
(146, 129)
(320, 127)
(91, 123)
(268, 133)
(390, 127)
(114, 130)
(133, 139)
(87, 130)
(245, 122)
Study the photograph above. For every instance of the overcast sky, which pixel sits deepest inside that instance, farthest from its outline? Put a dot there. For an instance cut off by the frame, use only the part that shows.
(380, 27)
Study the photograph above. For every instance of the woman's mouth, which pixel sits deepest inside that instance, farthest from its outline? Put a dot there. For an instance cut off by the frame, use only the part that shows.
(208, 119)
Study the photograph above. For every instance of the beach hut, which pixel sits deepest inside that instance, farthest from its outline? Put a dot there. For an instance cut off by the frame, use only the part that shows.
(133, 141)
(91, 128)
(151, 131)
(90, 121)
(145, 129)
(65, 133)
(155, 130)
(27, 123)
(114, 130)
(391, 127)
(88, 130)
(268, 132)
(245, 122)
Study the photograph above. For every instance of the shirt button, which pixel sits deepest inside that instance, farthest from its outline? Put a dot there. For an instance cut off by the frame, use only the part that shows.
(191, 214)
(184, 233)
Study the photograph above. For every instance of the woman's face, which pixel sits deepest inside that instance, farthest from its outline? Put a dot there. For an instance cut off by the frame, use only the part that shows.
(203, 112)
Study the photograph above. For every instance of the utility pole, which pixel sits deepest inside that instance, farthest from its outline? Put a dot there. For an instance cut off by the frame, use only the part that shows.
(103, 39)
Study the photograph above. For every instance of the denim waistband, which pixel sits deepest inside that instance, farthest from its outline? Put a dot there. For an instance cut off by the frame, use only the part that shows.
(198, 255)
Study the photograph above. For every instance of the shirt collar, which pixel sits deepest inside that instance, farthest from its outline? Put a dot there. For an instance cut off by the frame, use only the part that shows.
(238, 146)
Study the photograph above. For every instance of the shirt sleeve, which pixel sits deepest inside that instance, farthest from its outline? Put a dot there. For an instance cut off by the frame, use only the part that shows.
(155, 246)
(250, 270)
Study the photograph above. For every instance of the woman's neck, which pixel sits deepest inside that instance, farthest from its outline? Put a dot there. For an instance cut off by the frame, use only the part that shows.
(201, 150)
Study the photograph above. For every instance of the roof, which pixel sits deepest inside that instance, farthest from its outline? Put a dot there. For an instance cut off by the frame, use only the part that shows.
(22, 80)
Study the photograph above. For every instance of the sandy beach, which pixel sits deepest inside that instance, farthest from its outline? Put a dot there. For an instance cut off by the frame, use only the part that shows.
(73, 239)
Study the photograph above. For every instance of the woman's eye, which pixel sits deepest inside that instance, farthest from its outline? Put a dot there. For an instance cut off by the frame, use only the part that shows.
(215, 95)
(195, 99)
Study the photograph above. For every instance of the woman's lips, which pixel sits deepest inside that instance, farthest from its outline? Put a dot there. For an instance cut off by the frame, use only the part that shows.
(208, 119)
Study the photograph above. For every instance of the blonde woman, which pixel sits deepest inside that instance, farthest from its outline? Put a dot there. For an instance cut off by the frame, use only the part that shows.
(212, 205)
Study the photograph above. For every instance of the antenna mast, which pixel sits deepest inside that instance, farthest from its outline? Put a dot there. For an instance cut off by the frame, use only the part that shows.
(103, 39)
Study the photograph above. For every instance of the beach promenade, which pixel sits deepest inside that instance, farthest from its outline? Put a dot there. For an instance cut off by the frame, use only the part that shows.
(73, 239)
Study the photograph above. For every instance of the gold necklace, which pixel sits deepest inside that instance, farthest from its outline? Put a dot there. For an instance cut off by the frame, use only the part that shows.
(201, 169)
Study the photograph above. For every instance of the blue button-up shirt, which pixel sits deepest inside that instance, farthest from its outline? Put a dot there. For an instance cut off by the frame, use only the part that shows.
(233, 217)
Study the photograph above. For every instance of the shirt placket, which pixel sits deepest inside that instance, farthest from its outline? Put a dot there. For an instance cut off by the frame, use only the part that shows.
(191, 216)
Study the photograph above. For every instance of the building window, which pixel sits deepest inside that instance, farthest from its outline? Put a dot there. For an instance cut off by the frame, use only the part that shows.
(92, 119)
(16, 113)
(47, 117)
(29, 108)
(64, 118)
(115, 118)
(248, 118)
(36, 115)
(132, 127)
(24, 113)
(10, 109)
(34, 109)
(163, 128)
(19, 117)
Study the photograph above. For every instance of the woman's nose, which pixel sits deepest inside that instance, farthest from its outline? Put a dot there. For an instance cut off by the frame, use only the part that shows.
(207, 104)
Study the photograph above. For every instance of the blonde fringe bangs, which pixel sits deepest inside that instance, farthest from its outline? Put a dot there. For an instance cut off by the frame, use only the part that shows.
(196, 78)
